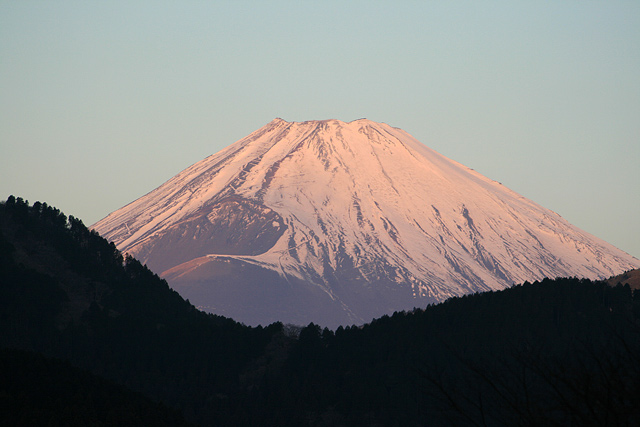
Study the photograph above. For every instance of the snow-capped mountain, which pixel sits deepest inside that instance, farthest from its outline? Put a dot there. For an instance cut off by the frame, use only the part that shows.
(338, 223)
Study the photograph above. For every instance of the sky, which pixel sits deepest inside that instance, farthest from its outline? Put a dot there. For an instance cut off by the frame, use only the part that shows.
(101, 102)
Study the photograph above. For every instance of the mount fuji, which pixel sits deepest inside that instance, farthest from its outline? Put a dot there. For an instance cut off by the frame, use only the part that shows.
(338, 223)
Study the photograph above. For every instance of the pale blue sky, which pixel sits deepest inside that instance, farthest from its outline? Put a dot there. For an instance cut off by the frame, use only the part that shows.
(101, 102)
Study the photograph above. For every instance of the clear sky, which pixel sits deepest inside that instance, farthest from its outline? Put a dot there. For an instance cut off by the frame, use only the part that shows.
(101, 102)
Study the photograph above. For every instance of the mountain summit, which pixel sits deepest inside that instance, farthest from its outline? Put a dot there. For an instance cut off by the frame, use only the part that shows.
(337, 223)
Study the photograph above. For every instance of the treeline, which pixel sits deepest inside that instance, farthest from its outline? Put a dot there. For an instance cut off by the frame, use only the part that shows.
(67, 293)
(556, 352)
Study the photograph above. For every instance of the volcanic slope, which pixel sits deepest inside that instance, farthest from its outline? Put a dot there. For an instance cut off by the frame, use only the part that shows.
(337, 223)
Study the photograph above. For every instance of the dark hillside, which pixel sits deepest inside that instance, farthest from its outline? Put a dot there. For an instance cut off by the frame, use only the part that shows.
(36, 391)
(69, 294)
(631, 278)
(556, 352)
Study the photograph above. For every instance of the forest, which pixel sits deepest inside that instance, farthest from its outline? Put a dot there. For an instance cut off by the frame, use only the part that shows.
(92, 337)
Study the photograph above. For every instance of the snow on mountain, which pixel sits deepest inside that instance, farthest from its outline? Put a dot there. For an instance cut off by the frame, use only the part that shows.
(337, 223)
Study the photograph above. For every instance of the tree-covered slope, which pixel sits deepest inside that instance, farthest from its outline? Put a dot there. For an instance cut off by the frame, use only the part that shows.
(557, 352)
(38, 391)
(68, 293)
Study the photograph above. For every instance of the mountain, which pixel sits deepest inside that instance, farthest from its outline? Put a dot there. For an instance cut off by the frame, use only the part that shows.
(337, 223)
(631, 278)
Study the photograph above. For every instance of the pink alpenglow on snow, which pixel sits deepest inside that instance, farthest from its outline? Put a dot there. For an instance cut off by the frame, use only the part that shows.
(338, 223)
